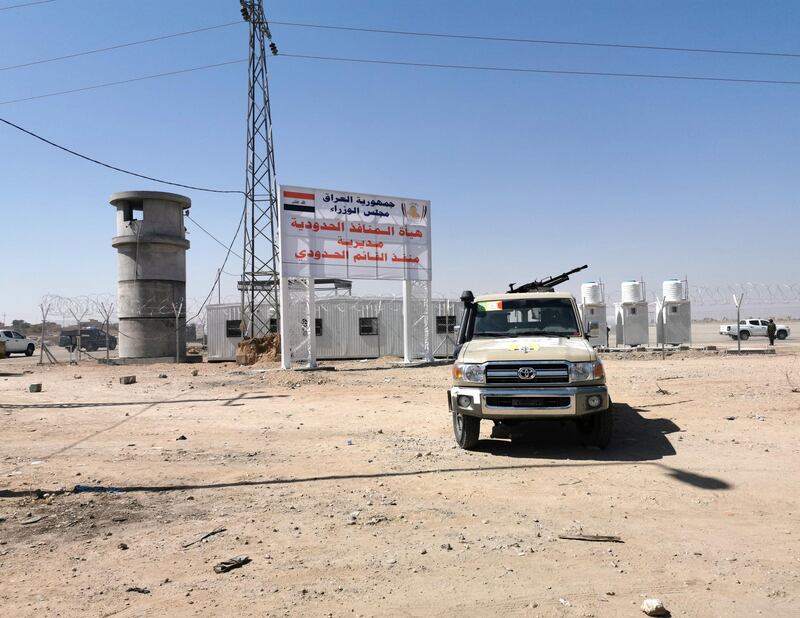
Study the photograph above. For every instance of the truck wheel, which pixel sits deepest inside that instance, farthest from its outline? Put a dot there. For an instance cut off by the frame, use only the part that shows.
(735, 337)
(29, 350)
(112, 346)
(782, 334)
(598, 428)
(744, 335)
(90, 347)
(467, 429)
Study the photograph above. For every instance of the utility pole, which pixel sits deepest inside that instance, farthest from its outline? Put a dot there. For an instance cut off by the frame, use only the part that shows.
(260, 273)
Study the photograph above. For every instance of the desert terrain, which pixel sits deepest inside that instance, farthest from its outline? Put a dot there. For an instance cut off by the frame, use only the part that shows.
(347, 494)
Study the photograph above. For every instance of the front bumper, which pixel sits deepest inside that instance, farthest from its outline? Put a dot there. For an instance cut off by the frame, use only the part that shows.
(525, 403)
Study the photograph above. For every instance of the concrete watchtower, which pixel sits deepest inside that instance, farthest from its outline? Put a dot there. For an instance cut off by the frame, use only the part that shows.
(151, 273)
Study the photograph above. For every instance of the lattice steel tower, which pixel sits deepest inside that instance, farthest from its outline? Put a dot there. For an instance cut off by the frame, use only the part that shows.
(259, 284)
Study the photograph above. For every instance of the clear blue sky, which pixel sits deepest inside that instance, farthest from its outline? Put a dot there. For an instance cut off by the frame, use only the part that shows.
(527, 174)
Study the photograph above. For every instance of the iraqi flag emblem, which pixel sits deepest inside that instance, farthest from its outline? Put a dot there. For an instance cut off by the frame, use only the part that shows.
(298, 202)
(414, 211)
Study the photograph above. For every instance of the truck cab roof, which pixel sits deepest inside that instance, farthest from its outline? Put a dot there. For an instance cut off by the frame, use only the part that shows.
(523, 296)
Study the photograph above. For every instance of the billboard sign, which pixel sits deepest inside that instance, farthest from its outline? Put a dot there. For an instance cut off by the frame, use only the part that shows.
(336, 234)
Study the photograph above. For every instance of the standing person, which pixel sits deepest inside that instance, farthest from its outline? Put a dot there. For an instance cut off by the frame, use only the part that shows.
(771, 328)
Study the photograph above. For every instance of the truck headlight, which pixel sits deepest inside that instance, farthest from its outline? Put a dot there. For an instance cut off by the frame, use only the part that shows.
(469, 373)
(584, 372)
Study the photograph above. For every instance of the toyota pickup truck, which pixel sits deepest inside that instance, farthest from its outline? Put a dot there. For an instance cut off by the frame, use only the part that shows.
(753, 327)
(523, 356)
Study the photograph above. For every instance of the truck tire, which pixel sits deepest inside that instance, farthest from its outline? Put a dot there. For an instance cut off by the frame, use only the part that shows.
(90, 347)
(782, 334)
(29, 350)
(735, 337)
(466, 429)
(744, 335)
(112, 346)
(598, 428)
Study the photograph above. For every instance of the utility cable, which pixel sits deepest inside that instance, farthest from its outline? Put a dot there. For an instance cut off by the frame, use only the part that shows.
(121, 45)
(543, 71)
(24, 4)
(442, 35)
(221, 268)
(123, 81)
(113, 167)
(214, 238)
(229, 248)
(420, 65)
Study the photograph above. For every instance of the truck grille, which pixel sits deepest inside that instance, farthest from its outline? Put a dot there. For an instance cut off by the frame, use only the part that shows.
(546, 373)
(493, 401)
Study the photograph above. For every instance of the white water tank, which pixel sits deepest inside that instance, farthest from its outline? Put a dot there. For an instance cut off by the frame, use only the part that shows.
(591, 293)
(672, 290)
(632, 292)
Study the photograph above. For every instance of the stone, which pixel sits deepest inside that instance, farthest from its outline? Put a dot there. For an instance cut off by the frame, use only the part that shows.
(654, 607)
(35, 388)
(127, 380)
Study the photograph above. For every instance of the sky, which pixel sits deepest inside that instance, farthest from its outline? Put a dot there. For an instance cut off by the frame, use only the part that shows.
(528, 174)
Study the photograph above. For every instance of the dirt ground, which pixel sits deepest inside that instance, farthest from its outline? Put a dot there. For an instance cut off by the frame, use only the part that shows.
(346, 492)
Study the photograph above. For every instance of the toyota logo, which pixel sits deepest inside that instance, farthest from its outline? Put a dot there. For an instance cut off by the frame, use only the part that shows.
(526, 373)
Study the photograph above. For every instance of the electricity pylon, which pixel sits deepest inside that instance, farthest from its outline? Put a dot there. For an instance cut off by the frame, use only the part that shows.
(259, 284)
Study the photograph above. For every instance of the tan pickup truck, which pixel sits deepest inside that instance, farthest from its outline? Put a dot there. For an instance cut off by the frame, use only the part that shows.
(523, 357)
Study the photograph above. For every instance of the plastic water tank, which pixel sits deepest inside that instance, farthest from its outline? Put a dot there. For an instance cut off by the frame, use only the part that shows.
(591, 293)
(631, 291)
(672, 289)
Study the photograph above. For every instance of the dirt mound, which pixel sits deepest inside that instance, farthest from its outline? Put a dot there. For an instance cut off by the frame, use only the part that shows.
(251, 351)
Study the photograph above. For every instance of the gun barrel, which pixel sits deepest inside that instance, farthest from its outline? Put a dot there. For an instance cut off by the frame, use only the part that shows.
(549, 282)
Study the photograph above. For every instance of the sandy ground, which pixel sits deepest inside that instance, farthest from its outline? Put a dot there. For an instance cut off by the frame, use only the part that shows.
(346, 492)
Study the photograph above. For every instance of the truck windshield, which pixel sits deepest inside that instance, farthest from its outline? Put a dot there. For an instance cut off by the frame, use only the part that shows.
(548, 317)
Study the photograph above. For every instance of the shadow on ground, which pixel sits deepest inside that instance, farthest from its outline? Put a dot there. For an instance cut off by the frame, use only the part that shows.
(636, 438)
(637, 441)
(110, 404)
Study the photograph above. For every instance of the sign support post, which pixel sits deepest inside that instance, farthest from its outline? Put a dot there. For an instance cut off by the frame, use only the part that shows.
(286, 350)
(311, 313)
(407, 321)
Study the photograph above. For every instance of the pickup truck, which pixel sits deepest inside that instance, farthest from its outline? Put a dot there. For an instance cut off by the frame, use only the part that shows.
(17, 343)
(753, 327)
(91, 339)
(523, 357)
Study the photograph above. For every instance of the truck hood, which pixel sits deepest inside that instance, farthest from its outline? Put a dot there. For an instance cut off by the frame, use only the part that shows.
(574, 349)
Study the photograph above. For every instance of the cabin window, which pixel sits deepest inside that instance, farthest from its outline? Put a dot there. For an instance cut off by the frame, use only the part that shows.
(367, 326)
(445, 324)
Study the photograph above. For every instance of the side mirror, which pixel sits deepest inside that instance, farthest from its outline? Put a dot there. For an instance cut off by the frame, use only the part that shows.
(593, 329)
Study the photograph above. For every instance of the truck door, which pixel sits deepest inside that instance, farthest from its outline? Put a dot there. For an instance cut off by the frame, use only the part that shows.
(755, 328)
(12, 343)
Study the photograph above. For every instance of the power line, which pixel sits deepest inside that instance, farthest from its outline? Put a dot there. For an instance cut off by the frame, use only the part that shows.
(414, 64)
(113, 167)
(221, 268)
(123, 81)
(543, 71)
(229, 247)
(697, 50)
(214, 238)
(19, 6)
(120, 46)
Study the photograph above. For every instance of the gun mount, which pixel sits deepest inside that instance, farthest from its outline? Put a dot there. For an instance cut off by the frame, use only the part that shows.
(544, 285)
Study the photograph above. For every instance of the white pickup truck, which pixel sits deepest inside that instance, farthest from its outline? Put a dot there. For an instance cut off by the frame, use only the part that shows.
(17, 343)
(752, 327)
